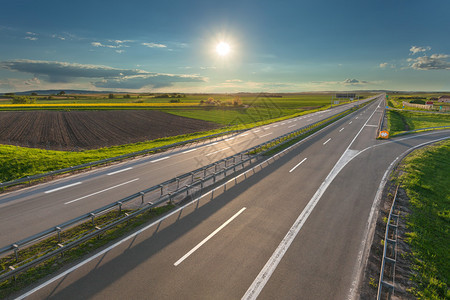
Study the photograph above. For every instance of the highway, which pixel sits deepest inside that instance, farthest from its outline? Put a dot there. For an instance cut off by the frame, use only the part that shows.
(297, 229)
(28, 211)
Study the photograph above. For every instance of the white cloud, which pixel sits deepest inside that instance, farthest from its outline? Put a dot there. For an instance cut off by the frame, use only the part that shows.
(386, 65)
(415, 49)
(353, 81)
(439, 56)
(31, 38)
(433, 62)
(120, 51)
(154, 45)
(55, 36)
(33, 81)
(98, 44)
(208, 68)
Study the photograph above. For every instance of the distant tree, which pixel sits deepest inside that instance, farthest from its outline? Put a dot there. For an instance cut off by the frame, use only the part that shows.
(417, 101)
(127, 96)
(23, 100)
(61, 93)
(34, 94)
(236, 101)
(111, 96)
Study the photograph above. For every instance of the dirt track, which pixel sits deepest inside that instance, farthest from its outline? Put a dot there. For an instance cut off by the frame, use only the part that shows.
(69, 130)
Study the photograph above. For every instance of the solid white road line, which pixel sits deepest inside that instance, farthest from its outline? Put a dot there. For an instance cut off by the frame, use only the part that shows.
(327, 141)
(159, 159)
(63, 187)
(110, 188)
(244, 134)
(265, 134)
(190, 150)
(341, 129)
(371, 125)
(297, 165)
(230, 139)
(217, 151)
(208, 237)
(292, 126)
(120, 171)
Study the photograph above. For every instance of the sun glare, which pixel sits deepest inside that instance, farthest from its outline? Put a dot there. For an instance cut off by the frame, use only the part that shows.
(223, 48)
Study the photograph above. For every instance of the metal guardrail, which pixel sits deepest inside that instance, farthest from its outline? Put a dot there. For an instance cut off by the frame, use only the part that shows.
(29, 179)
(207, 174)
(389, 252)
(381, 121)
(422, 129)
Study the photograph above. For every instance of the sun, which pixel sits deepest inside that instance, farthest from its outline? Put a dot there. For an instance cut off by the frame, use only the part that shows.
(223, 49)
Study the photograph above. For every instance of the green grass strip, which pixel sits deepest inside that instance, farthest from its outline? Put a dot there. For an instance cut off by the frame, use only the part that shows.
(402, 121)
(427, 183)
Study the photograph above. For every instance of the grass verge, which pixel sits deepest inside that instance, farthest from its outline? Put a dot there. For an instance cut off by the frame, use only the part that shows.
(401, 121)
(425, 178)
(52, 265)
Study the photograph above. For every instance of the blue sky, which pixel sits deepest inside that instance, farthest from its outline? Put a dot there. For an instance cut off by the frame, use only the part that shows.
(170, 46)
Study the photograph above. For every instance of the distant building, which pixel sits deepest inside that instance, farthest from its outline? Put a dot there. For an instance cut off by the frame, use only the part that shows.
(429, 102)
(444, 98)
(346, 95)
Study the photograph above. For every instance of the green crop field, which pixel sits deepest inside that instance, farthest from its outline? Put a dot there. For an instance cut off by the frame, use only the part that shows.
(293, 101)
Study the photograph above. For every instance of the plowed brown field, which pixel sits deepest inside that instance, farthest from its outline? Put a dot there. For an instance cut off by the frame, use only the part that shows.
(68, 130)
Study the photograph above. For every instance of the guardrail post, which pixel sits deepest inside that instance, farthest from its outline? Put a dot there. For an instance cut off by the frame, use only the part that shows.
(59, 234)
(192, 177)
(161, 186)
(92, 218)
(142, 195)
(120, 207)
(178, 182)
(16, 250)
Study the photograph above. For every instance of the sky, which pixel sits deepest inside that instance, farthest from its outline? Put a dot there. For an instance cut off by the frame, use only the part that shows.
(274, 46)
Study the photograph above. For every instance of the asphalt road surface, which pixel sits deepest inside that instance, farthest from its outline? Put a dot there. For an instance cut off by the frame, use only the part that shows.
(32, 210)
(297, 229)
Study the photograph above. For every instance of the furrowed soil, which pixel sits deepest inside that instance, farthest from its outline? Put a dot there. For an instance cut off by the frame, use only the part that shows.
(75, 130)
